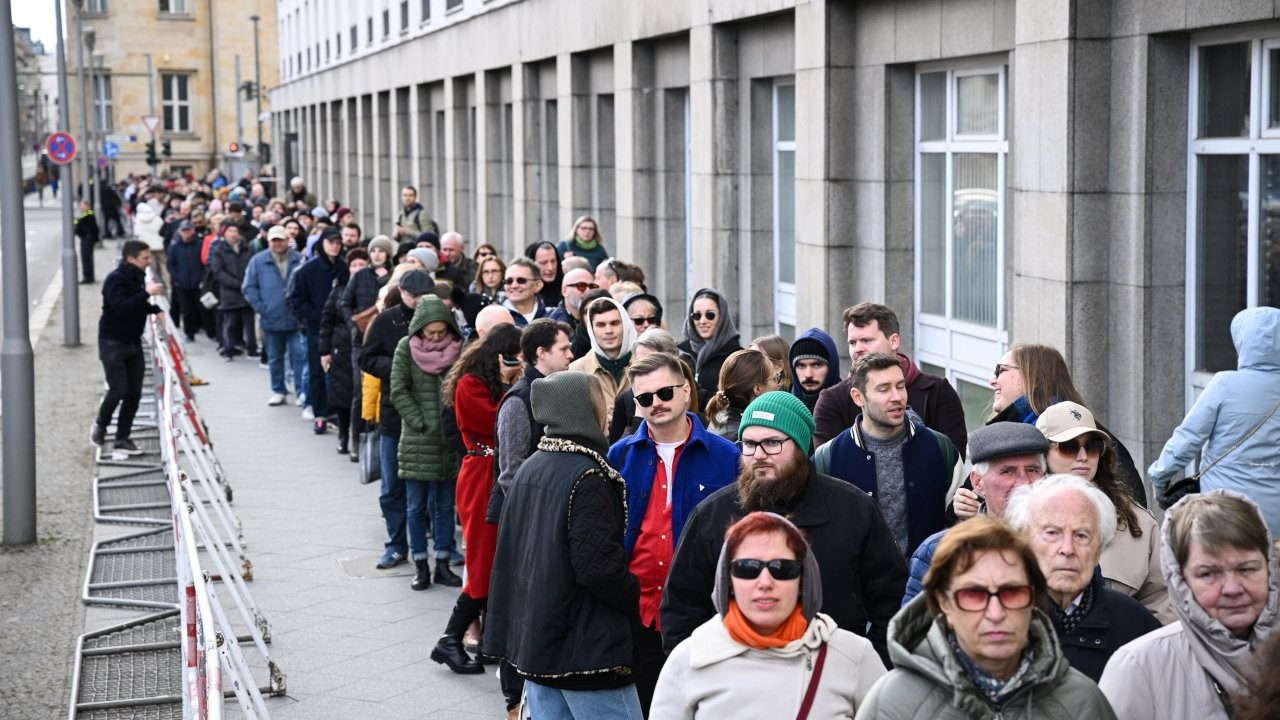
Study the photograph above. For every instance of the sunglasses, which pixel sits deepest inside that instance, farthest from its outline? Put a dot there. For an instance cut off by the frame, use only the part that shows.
(697, 316)
(1001, 367)
(583, 286)
(517, 281)
(642, 320)
(1093, 446)
(973, 599)
(780, 569)
(664, 394)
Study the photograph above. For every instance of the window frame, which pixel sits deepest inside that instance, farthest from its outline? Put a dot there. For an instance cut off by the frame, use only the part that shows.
(784, 293)
(175, 103)
(185, 8)
(102, 100)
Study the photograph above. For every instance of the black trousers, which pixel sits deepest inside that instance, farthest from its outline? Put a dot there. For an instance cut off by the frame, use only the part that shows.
(647, 643)
(86, 259)
(238, 330)
(124, 367)
(188, 305)
(318, 393)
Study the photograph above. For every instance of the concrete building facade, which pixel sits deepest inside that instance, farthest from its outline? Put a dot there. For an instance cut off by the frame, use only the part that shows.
(1097, 175)
(194, 46)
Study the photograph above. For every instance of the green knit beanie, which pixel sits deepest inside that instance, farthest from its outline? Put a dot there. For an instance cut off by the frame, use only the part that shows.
(783, 412)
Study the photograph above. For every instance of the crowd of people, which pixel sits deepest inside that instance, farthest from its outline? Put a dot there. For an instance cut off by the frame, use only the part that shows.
(714, 526)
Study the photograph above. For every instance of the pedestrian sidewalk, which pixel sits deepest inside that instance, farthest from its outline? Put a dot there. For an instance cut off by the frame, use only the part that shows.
(354, 641)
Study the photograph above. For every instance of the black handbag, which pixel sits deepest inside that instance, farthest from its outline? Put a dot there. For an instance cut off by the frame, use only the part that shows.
(370, 454)
(1175, 491)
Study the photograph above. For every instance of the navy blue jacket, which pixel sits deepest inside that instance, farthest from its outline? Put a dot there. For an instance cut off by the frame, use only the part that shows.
(929, 461)
(125, 305)
(264, 290)
(183, 261)
(1113, 620)
(707, 463)
(309, 288)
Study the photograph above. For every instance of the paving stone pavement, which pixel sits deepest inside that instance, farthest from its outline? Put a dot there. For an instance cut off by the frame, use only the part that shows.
(354, 641)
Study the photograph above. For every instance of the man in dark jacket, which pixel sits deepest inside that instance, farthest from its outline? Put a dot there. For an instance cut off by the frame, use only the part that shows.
(874, 328)
(862, 570)
(308, 291)
(1067, 521)
(183, 260)
(815, 365)
(86, 229)
(561, 609)
(125, 306)
(228, 260)
(375, 357)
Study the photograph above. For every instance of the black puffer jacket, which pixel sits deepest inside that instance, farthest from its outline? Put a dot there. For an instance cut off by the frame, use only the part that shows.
(863, 572)
(335, 340)
(375, 357)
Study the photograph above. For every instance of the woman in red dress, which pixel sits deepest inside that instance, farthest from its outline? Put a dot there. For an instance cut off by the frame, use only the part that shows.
(474, 387)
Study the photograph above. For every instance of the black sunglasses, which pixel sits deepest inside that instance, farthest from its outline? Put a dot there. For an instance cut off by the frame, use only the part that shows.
(1093, 446)
(664, 394)
(780, 569)
(642, 320)
(1001, 367)
(517, 281)
(697, 316)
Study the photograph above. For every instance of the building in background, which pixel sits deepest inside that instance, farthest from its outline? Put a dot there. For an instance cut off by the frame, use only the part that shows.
(193, 46)
(1097, 176)
(33, 123)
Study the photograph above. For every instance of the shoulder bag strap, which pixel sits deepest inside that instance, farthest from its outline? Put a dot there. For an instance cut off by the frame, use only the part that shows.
(1240, 442)
(812, 690)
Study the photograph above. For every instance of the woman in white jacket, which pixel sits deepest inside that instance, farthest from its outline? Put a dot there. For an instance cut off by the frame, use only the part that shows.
(768, 653)
(146, 227)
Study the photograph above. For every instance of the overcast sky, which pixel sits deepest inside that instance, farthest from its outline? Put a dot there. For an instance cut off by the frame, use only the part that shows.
(37, 15)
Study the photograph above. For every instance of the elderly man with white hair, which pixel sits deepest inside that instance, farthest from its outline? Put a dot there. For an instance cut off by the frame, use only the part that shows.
(1068, 522)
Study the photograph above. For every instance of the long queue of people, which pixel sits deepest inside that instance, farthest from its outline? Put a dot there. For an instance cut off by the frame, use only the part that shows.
(694, 528)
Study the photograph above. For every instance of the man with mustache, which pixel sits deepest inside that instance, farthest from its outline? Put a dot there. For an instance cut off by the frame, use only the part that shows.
(892, 456)
(863, 571)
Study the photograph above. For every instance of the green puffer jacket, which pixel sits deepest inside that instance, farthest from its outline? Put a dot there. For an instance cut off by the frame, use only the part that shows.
(928, 681)
(423, 453)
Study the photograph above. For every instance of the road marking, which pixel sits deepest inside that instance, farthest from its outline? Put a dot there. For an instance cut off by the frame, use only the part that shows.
(43, 308)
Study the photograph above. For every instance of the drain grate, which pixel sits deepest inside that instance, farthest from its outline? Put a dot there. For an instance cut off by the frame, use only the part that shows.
(138, 570)
(130, 671)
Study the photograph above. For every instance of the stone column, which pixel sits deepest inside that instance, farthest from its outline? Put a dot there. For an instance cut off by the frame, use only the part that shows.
(522, 216)
(714, 116)
(635, 234)
(484, 85)
(574, 129)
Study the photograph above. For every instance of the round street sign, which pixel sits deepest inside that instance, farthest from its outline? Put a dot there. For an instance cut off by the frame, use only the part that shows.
(61, 147)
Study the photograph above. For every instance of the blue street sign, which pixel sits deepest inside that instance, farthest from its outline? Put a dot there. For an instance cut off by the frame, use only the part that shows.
(110, 149)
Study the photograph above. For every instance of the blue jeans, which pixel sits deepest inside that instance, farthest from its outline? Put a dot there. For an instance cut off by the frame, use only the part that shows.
(547, 703)
(277, 342)
(435, 497)
(392, 497)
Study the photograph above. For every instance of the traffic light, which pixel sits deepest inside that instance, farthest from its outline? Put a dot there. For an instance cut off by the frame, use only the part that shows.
(233, 148)
(151, 153)
(166, 147)
(264, 152)
(250, 89)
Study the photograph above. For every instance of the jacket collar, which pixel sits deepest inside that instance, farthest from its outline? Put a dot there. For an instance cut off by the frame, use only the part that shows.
(856, 430)
(697, 433)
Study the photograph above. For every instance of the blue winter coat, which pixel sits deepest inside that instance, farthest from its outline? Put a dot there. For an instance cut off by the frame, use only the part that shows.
(183, 261)
(1234, 403)
(919, 564)
(310, 287)
(833, 360)
(264, 290)
(707, 463)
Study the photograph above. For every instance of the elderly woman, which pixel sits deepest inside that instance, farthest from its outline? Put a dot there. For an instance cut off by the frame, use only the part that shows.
(768, 653)
(1130, 562)
(972, 644)
(1067, 522)
(1224, 583)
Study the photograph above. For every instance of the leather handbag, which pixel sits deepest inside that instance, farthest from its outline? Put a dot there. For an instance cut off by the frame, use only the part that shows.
(810, 692)
(370, 454)
(364, 317)
(1175, 491)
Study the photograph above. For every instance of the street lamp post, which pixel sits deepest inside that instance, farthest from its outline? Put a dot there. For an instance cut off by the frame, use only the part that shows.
(257, 85)
(70, 290)
(84, 114)
(90, 144)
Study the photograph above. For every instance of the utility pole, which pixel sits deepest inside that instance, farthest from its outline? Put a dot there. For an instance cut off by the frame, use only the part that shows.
(91, 144)
(151, 105)
(84, 114)
(17, 362)
(70, 290)
(239, 119)
(257, 85)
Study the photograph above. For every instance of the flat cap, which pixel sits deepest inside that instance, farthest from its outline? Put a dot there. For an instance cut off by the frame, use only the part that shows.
(418, 282)
(1003, 439)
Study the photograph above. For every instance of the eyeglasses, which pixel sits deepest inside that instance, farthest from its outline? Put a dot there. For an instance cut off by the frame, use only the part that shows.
(642, 320)
(517, 281)
(772, 446)
(1001, 367)
(664, 394)
(1070, 448)
(583, 286)
(973, 599)
(697, 316)
(777, 378)
(779, 569)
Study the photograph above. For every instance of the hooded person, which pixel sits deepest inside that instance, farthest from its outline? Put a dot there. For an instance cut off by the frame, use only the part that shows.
(760, 653)
(612, 338)
(815, 365)
(1235, 423)
(710, 338)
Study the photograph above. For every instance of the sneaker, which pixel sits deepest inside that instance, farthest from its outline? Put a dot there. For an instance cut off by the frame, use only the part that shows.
(307, 414)
(97, 436)
(252, 353)
(275, 399)
(301, 400)
(126, 446)
(197, 381)
(264, 366)
(321, 427)
(390, 559)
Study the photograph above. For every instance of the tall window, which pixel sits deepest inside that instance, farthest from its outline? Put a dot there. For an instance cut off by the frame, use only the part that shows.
(451, 4)
(102, 101)
(784, 207)
(175, 98)
(426, 10)
(1233, 194)
(95, 6)
(404, 15)
(961, 152)
(174, 7)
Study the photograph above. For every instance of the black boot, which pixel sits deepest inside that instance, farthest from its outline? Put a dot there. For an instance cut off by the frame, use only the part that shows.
(422, 580)
(445, 576)
(449, 650)
(342, 445)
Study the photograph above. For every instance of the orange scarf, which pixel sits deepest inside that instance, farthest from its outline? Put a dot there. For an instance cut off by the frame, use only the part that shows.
(741, 631)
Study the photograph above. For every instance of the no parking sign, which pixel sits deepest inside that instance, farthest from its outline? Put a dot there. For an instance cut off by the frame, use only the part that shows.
(61, 147)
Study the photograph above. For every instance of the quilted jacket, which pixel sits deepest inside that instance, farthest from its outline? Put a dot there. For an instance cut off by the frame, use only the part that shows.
(422, 453)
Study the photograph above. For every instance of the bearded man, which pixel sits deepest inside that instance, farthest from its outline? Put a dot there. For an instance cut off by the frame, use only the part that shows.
(863, 572)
